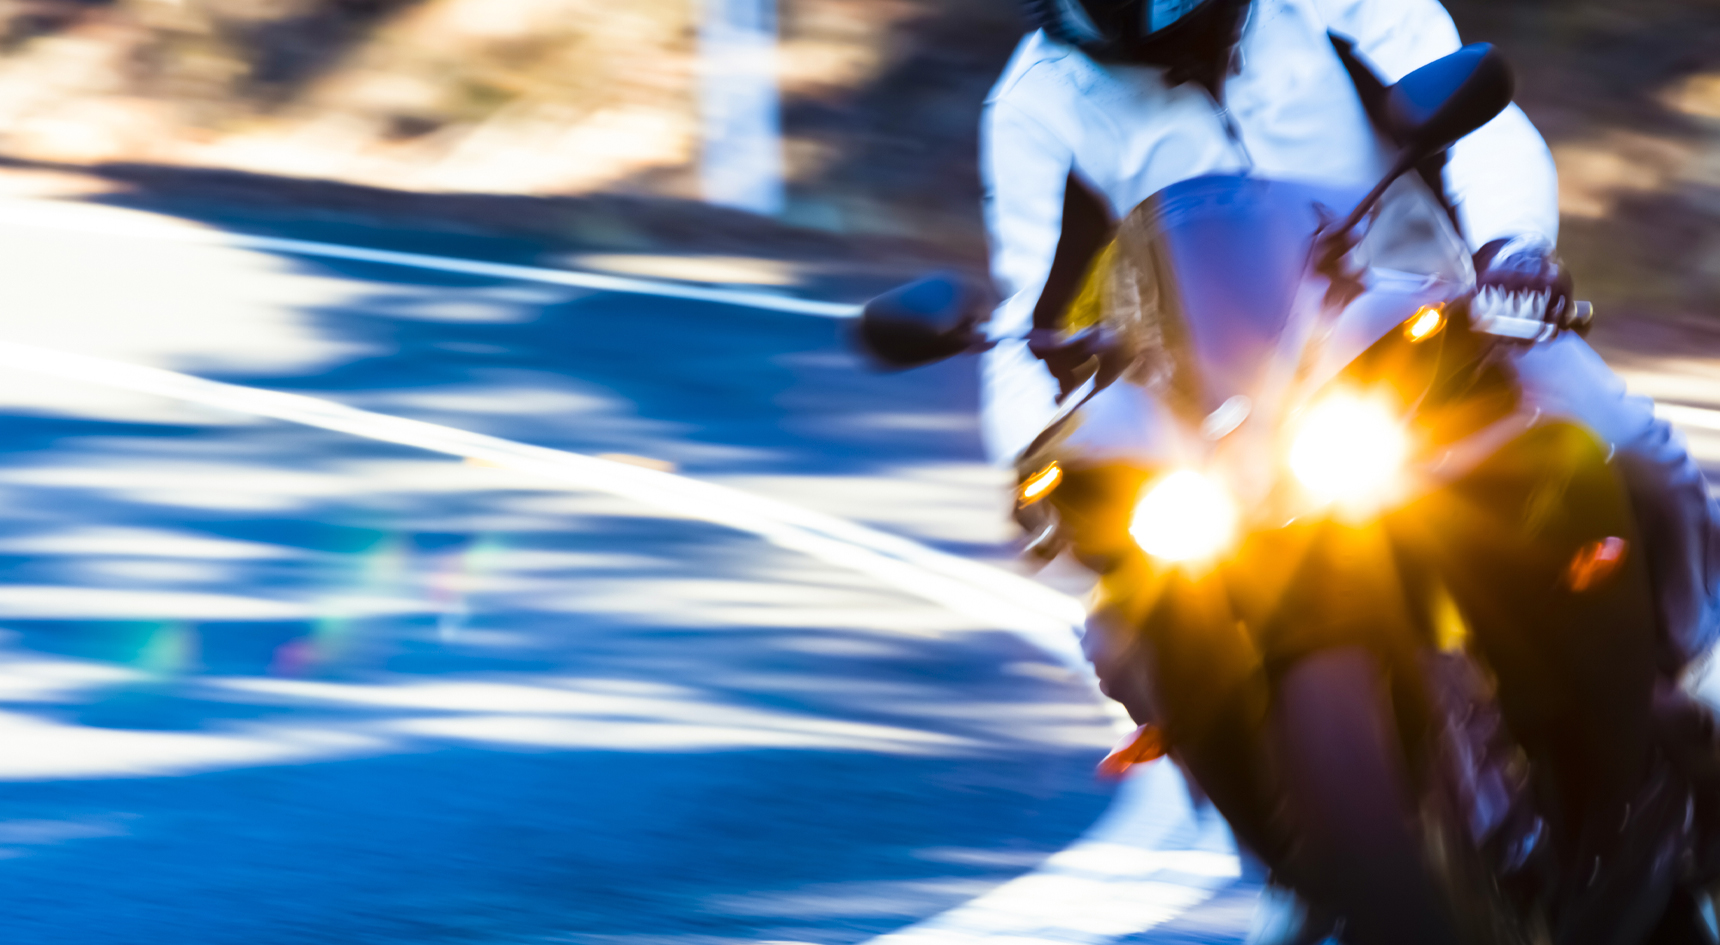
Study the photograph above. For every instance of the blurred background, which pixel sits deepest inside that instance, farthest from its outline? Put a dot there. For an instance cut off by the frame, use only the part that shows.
(599, 107)
(267, 682)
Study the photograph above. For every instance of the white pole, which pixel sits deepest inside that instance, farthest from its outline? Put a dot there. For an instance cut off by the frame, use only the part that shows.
(741, 164)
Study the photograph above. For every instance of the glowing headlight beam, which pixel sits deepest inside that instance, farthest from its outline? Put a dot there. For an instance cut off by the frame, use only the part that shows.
(1349, 449)
(1184, 517)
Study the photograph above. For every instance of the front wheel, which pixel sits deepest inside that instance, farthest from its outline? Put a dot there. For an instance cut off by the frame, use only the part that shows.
(1350, 801)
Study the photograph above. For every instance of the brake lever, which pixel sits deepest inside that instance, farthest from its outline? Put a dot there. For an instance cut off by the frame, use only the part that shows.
(1534, 330)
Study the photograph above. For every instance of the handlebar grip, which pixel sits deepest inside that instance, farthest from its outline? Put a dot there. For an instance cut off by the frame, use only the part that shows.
(1534, 329)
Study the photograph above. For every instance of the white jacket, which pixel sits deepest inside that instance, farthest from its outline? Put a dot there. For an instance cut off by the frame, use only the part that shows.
(1296, 113)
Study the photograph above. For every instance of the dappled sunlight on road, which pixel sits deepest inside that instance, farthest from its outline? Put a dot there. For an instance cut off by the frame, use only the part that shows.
(387, 590)
(934, 502)
(154, 303)
(319, 721)
(464, 645)
(27, 678)
(40, 748)
(617, 715)
(372, 691)
(718, 391)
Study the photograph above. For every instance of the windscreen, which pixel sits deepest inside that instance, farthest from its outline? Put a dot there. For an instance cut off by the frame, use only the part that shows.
(1411, 235)
(1202, 277)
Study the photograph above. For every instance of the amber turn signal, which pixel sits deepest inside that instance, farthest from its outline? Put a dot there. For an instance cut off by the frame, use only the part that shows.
(1595, 562)
(1039, 485)
(1425, 324)
(1143, 745)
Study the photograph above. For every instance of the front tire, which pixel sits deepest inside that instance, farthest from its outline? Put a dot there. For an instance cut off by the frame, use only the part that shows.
(1350, 801)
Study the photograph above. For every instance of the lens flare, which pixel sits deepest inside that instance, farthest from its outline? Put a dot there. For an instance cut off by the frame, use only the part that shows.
(1184, 517)
(1349, 449)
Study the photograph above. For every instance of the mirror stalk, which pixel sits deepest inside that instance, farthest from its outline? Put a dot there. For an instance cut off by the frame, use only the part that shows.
(1428, 111)
(1406, 162)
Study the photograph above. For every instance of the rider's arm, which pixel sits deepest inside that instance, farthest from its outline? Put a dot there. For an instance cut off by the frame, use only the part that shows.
(1025, 168)
(1501, 179)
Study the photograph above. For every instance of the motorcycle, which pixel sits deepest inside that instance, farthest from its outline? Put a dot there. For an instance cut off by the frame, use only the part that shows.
(1389, 611)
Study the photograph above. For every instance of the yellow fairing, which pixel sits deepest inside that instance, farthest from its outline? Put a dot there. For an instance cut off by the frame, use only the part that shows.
(1088, 308)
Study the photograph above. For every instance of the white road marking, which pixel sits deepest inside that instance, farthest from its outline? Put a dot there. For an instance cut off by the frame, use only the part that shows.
(1115, 881)
(989, 595)
(108, 222)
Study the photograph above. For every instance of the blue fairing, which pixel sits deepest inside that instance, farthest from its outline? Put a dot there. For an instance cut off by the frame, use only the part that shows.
(1232, 252)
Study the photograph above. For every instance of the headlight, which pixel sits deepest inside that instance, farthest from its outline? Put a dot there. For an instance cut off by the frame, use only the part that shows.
(1349, 449)
(1184, 517)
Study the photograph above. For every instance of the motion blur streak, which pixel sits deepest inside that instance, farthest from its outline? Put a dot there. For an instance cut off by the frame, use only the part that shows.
(45, 749)
(107, 222)
(1699, 417)
(616, 715)
(992, 597)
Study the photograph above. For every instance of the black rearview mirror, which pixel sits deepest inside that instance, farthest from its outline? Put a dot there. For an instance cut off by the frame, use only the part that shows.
(1445, 100)
(929, 320)
(1428, 111)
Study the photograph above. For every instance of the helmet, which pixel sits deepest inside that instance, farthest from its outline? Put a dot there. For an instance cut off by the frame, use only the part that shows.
(1100, 23)
(1152, 32)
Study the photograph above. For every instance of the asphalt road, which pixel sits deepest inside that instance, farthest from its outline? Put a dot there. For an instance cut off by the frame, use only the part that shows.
(266, 683)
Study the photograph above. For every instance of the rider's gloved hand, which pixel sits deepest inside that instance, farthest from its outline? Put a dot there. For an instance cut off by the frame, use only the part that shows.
(1074, 358)
(1524, 278)
(1064, 357)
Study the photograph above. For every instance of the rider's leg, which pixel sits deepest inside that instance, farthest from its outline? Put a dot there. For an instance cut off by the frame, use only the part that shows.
(1678, 527)
(1575, 659)
(1678, 521)
(1203, 688)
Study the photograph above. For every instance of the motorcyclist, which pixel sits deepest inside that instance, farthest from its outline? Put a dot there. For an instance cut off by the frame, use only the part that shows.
(1110, 101)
